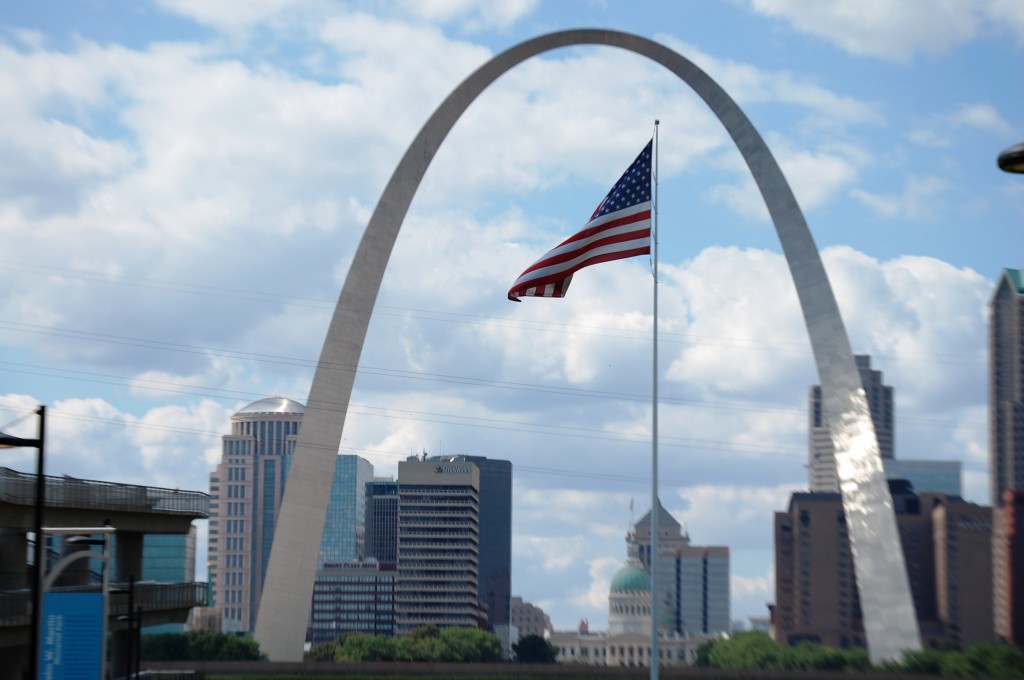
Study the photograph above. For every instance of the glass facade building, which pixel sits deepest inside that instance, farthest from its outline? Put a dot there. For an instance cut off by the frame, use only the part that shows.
(381, 541)
(344, 529)
(938, 476)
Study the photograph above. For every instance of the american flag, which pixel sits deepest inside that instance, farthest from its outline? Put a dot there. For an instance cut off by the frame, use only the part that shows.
(619, 228)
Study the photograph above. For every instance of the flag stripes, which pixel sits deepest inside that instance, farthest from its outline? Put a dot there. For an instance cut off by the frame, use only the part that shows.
(620, 228)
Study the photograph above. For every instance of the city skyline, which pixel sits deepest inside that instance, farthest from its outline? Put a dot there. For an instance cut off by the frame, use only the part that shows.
(190, 184)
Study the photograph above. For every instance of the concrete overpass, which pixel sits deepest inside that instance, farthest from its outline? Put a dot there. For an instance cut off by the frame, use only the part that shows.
(133, 511)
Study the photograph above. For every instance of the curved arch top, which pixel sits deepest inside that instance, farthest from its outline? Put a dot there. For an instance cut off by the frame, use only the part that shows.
(888, 612)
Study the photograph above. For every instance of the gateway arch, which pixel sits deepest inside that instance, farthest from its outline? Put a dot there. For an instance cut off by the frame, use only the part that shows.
(888, 611)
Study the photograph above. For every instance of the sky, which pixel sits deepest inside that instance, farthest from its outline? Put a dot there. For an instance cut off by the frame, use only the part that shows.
(183, 185)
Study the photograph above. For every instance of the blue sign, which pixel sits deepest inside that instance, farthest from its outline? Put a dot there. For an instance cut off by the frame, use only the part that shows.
(71, 637)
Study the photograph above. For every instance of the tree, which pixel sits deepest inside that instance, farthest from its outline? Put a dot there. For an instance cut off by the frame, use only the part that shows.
(365, 647)
(703, 659)
(470, 644)
(534, 649)
(747, 650)
(199, 646)
(321, 652)
(426, 643)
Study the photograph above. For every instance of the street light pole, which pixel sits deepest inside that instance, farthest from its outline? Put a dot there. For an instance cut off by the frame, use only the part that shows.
(37, 575)
(7, 441)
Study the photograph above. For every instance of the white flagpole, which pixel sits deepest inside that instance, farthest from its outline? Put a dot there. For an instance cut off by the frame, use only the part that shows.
(655, 506)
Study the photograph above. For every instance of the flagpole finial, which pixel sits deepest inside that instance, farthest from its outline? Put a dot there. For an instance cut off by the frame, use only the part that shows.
(657, 122)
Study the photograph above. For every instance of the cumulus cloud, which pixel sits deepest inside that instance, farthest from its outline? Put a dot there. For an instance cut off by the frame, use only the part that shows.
(233, 15)
(471, 14)
(921, 199)
(943, 130)
(882, 29)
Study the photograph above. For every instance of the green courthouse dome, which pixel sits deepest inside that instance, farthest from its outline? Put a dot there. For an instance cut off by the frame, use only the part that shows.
(631, 577)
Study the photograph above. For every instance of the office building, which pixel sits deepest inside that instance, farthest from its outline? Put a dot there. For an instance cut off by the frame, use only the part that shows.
(1006, 442)
(822, 459)
(246, 489)
(529, 619)
(495, 537)
(944, 540)
(353, 597)
(438, 545)
(692, 580)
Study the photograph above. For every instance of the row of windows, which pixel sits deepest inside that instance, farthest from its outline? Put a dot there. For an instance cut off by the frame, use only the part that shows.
(233, 578)
(235, 508)
(233, 613)
(236, 474)
(236, 491)
(233, 597)
(234, 526)
(347, 596)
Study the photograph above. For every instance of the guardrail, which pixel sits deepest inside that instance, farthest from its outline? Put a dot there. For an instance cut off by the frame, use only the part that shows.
(15, 606)
(69, 492)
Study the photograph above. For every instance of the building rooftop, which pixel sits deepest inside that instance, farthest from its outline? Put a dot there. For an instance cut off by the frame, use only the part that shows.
(273, 405)
(1016, 278)
(631, 577)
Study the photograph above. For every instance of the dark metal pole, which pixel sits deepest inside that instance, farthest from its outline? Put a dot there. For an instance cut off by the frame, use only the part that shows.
(128, 665)
(37, 572)
(138, 641)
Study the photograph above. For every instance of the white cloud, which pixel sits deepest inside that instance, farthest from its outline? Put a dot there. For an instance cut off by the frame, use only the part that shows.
(922, 198)
(982, 117)
(880, 28)
(943, 130)
(1008, 16)
(816, 177)
(231, 15)
(913, 313)
(743, 344)
(471, 14)
(601, 571)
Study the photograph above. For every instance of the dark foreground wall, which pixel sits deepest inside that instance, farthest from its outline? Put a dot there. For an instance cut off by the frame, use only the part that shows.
(495, 670)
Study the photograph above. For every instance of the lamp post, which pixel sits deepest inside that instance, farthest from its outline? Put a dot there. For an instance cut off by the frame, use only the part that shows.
(7, 441)
(1012, 159)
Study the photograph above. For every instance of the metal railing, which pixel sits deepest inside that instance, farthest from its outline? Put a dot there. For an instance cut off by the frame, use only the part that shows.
(16, 606)
(68, 492)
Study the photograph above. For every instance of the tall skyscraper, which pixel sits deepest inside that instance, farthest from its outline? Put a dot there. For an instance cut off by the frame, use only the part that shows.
(495, 537)
(1006, 443)
(438, 545)
(692, 580)
(822, 459)
(343, 530)
(941, 476)
(246, 489)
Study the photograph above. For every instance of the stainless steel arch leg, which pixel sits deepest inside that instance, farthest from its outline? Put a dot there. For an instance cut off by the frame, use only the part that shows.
(888, 611)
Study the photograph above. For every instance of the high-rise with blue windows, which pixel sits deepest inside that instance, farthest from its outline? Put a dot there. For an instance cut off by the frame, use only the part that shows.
(245, 493)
